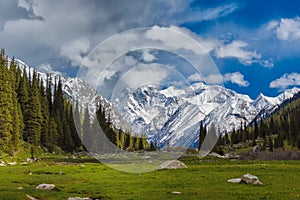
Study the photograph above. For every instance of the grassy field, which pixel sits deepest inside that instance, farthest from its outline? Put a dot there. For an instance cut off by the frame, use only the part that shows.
(204, 179)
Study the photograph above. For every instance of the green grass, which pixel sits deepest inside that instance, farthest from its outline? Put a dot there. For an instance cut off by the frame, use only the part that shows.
(204, 179)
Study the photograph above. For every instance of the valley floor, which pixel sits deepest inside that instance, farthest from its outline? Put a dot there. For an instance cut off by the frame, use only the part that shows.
(204, 179)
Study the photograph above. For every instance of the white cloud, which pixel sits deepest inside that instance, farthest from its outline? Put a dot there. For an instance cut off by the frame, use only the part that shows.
(286, 81)
(209, 79)
(195, 77)
(286, 28)
(214, 79)
(61, 22)
(75, 51)
(46, 68)
(147, 56)
(236, 78)
(272, 24)
(236, 49)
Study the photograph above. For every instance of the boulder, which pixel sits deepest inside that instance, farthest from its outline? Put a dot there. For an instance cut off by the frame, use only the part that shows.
(247, 179)
(45, 186)
(235, 180)
(172, 164)
(250, 179)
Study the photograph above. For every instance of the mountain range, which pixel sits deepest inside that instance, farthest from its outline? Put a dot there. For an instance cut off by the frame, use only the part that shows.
(171, 116)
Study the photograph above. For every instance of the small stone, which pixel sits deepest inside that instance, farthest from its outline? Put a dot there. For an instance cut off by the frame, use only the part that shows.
(29, 160)
(176, 192)
(12, 163)
(2, 165)
(234, 180)
(45, 186)
(24, 163)
(79, 198)
(20, 188)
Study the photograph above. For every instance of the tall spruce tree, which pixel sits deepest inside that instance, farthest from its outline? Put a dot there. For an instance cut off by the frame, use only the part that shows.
(34, 114)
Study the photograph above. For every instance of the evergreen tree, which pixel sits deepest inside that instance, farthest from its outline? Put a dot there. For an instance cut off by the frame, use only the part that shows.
(201, 136)
(86, 128)
(6, 103)
(74, 134)
(34, 114)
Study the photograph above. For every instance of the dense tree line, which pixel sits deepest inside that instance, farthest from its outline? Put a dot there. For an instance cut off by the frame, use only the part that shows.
(37, 113)
(280, 129)
(120, 138)
(32, 113)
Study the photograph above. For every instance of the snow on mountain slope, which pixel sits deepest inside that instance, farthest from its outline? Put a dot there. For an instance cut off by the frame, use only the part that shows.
(171, 116)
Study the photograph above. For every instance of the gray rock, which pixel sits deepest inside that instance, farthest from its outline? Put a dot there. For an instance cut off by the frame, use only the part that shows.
(172, 164)
(45, 186)
(250, 179)
(234, 180)
(79, 198)
(247, 179)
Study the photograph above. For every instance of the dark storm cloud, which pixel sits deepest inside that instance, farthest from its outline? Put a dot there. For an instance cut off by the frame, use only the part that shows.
(10, 10)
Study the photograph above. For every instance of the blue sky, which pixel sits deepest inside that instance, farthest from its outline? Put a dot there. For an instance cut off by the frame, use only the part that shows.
(255, 44)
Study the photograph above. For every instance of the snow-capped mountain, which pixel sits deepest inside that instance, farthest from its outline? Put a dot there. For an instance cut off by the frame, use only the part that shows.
(171, 116)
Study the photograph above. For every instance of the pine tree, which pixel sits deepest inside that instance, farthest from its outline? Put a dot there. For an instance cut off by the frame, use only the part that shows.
(45, 126)
(74, 134)
(271, 144)
(34, 114)
(86, 128)
(6, 103)
(16, 109)
(202, 135)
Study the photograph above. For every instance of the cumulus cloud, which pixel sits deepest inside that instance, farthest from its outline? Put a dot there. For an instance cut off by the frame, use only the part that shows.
(46, 68)
(286, 28)
(62, 21)
(236, 49)
(147, 56)
(235, 78)
(209, 79)
(144, 74)
(285, 81)
(76, 50)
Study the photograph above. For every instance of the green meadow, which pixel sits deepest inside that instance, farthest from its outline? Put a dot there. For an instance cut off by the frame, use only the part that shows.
(204, 179)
